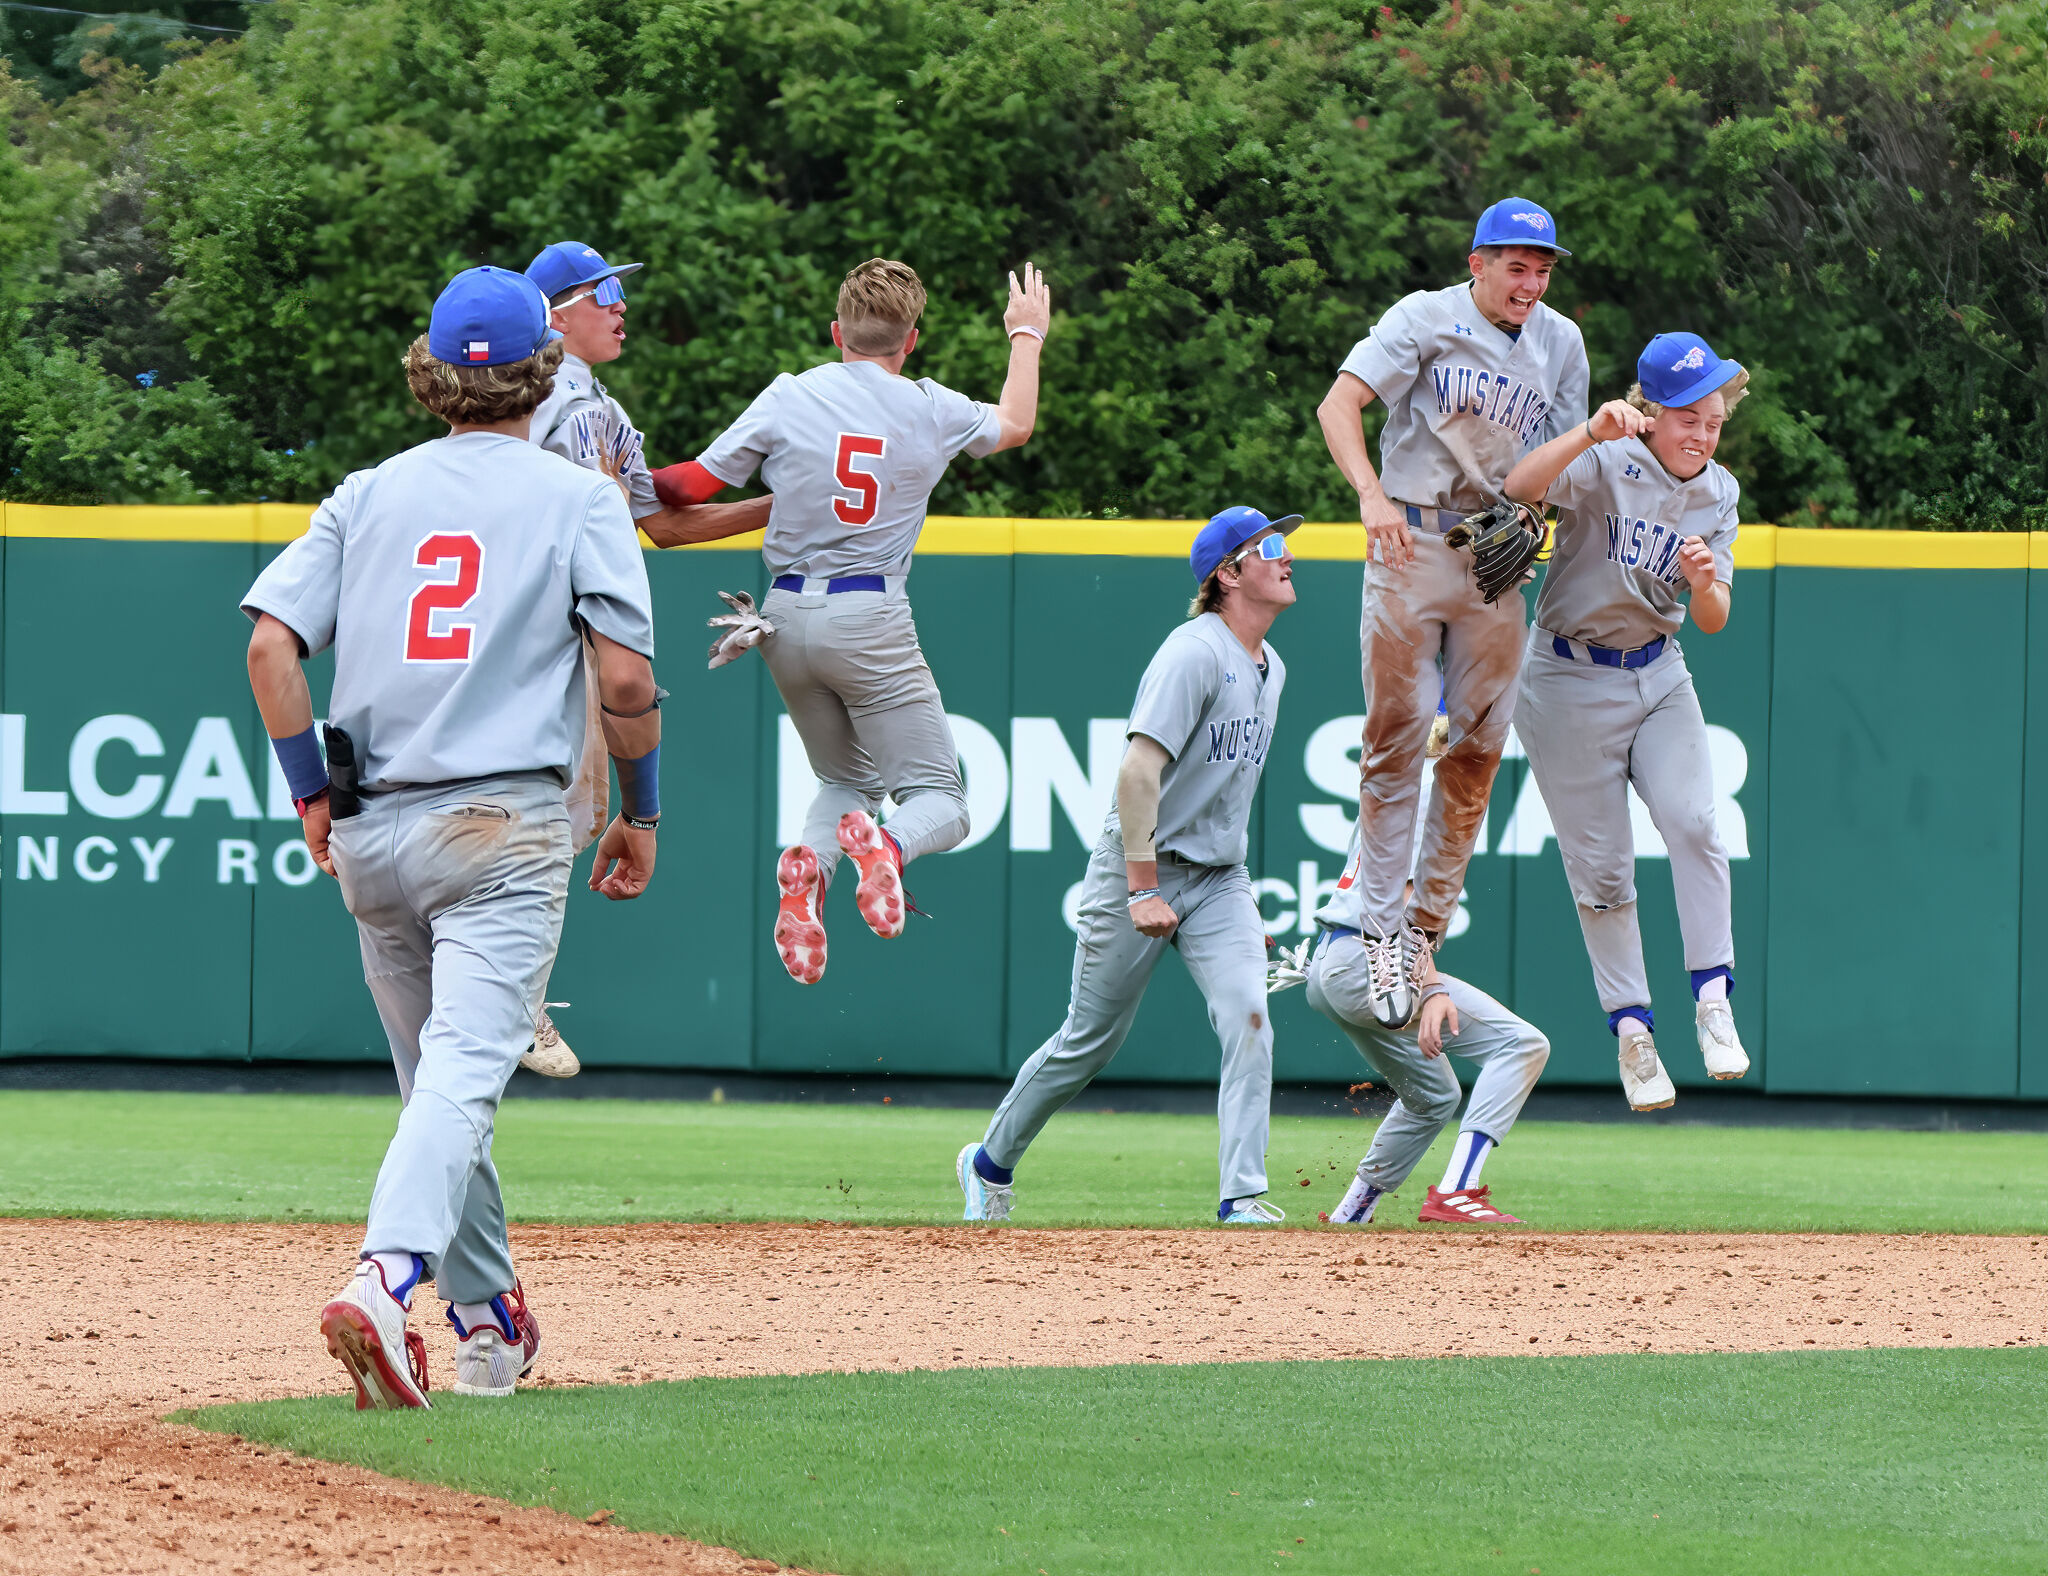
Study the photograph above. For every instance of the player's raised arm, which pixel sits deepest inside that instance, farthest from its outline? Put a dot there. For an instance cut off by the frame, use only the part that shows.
(1026, 321)
(1533, 474)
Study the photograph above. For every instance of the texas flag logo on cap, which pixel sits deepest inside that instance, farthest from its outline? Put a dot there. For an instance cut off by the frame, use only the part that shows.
(477, 349)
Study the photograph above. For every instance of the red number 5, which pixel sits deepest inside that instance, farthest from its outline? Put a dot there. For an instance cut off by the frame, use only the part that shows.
(861, 507)
(422, 642)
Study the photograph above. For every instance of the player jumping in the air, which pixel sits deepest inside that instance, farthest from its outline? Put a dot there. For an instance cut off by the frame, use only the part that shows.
(853, 450)
(1472, 376)
(583, 423)
(1645, 522)
(1169, 867)
(457, 583)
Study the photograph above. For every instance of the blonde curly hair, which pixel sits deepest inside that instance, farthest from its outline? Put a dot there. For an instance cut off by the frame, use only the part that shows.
(1731, 394)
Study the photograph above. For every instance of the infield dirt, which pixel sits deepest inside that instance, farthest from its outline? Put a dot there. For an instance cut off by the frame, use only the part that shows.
(114, 1323)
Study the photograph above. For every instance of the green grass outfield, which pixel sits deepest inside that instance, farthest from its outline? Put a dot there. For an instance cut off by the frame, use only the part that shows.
(1907, 1462)
(312, 1157)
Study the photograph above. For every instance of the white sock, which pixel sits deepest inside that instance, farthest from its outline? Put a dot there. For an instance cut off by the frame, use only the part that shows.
(1624, 1027)
(1468, 1158)
(402, 1273)
(1716, 989)
(1359, 1203)
(474, 1316)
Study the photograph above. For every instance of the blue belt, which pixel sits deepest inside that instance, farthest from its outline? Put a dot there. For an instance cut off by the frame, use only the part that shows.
(1608, 657)
(1419, 518)
(835, 585)
(1343, 930)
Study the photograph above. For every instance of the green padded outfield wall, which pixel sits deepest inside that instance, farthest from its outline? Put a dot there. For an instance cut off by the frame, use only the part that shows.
(1882, 784)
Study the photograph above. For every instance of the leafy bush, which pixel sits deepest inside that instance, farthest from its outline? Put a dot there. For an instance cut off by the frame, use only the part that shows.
(1225, 194)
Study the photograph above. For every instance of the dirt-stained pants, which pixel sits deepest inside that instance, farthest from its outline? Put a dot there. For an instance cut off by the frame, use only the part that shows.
(854, 680)
(457, 893)
(1427, 610)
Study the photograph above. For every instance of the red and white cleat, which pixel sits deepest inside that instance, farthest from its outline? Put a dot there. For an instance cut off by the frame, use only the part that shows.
(493, 1358)
(880, 898)
(1469, 1208)
(365, 1329)
(799, 924)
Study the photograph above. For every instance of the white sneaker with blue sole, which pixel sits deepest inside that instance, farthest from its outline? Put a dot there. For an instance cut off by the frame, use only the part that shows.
(986, 1200)
(1251, 1212)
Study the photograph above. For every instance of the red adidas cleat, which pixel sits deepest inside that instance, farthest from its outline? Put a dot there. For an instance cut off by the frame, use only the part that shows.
(799, 926)
(1469, 1208)
(880, 898)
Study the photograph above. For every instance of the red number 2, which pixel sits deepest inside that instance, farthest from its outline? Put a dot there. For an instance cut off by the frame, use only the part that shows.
(422, 642)
(866, 490)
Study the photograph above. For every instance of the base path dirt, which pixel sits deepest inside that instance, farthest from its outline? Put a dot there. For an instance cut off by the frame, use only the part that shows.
(116, 1323)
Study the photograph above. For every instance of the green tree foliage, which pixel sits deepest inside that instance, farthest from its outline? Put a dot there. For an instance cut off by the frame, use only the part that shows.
(1225, 194)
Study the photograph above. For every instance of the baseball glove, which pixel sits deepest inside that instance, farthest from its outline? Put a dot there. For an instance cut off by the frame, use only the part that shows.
(745, 628)
(1506, 542)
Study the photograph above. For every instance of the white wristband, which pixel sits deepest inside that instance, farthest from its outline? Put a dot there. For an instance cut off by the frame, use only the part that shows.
(1025, 328)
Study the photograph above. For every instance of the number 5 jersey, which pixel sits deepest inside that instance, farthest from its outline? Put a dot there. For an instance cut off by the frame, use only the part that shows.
(452, 582)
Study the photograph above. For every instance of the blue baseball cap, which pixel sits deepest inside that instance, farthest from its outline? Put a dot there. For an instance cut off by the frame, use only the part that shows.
(487, 317)
(567, 264)
(1227, 532)
(1516, 221)
(1677, 369)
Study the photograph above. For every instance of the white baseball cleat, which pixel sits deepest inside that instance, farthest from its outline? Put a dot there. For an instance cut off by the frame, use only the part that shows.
(799, 922)
(986, 1200)
(549, 1054)
(1249, 1212)
(488, 1359)
(1391, 979)
(1722, 1050)
(365, 1329)
(1643, 1078)
(1359, 1203)
(880, 896)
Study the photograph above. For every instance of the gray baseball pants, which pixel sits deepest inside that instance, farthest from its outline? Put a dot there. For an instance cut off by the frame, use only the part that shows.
(1223, 944)
(1592, 731)
(854, 681)
(1509, 1052)
(1414, 616)
(457, 892)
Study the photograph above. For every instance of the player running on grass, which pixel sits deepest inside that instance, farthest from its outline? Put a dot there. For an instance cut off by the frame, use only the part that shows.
(457, 583)
(1169, 870)
(853, 450)
(1472, 376)
(1646, 523)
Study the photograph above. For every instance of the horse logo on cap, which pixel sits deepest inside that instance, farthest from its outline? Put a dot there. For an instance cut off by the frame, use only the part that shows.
(1535, 221)
(1691, 361)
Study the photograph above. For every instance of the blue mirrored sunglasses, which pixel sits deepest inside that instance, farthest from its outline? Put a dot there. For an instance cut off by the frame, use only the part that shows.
(609, 291)
(1271, 548)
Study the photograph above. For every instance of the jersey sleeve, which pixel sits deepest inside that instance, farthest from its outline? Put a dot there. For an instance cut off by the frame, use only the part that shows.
(1389, 359)
(965, 425)
(1178, 685)
(1721, 541)
(608, 575)
(736, 453)
(301, 588)
(1576, 481)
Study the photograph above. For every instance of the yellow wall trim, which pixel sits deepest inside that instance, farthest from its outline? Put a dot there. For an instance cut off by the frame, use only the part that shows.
(1758, 547)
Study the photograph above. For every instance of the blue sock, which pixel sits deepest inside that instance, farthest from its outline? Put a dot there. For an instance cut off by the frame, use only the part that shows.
(989, 1171)
(1700, 977)
(1649, 1019)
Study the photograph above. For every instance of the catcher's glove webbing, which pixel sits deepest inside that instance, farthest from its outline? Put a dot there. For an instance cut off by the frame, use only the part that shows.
(1506, 541)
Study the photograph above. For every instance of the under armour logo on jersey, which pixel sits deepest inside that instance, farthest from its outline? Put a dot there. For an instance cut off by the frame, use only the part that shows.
(1692, 360)
(1534, 221)
(1460, 328)
(1632, 472)
(1230, 678)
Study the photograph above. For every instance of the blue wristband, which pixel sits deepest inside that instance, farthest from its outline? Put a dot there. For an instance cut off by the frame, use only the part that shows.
(305, 773)
(640, 785)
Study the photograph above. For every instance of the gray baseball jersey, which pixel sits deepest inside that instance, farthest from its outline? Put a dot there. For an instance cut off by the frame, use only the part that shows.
(852, 452)
(1464, 399)
(1614, 577)
(569, 423)
(1205, 702)
(450, 581)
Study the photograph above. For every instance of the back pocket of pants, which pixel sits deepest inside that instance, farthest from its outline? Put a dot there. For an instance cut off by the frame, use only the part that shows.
(478, 812)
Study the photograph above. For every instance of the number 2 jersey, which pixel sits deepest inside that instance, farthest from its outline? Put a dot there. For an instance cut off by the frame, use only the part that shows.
(451, 581)
(852, 452)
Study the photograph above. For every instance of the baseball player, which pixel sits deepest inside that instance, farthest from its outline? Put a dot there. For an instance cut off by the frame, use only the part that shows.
(852, 451)
(583, 423)
(1510, 1054)
(458, 583)
(1645, 524)
(1472, 376)
(1169, 869)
